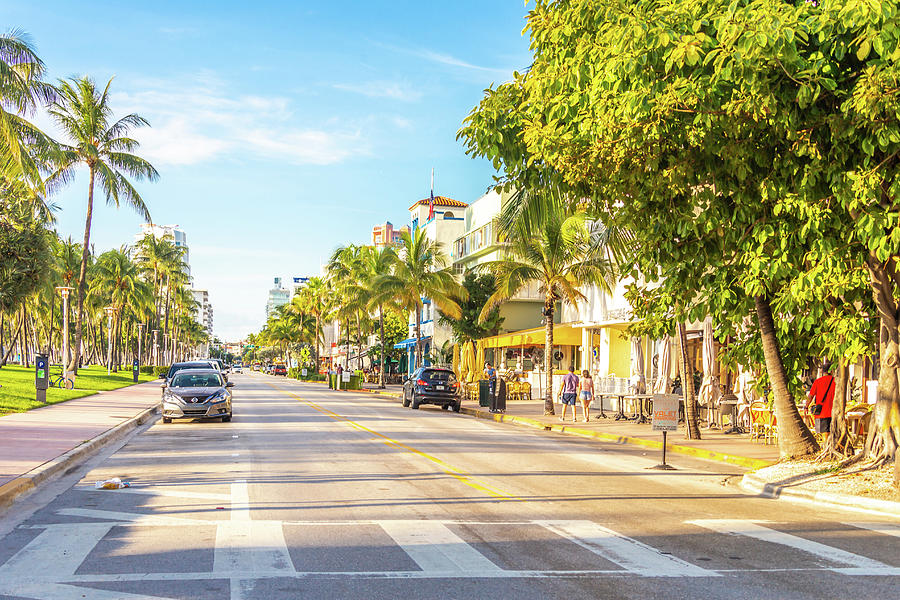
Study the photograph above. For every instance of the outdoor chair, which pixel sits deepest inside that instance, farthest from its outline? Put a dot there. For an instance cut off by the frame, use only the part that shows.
(762, 423)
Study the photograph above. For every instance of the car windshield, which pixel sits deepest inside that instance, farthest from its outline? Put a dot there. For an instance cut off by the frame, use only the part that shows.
(187, 379)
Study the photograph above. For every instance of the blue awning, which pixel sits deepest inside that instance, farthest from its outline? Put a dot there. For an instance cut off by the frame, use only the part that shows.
(408, 342)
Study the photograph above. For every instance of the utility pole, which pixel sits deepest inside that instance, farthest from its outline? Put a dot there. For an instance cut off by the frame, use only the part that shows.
(65, 291)
(109, 320)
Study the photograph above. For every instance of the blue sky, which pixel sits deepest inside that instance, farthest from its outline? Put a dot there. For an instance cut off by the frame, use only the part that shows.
(280, 129)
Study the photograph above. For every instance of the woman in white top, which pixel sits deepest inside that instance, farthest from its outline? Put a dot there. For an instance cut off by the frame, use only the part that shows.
(586, 393)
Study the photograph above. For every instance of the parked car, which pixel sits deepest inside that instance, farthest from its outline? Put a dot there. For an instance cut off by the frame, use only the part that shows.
(197, 394)
(255, 367)
(192, 364)
(279, 370)
(432, 385)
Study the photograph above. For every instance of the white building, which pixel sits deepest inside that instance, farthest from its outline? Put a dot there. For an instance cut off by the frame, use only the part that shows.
(278, 296)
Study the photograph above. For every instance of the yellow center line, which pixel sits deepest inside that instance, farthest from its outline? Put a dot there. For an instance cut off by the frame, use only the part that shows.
(457, 474)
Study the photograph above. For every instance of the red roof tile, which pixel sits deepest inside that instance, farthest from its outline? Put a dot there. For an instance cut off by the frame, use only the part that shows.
(440, 201)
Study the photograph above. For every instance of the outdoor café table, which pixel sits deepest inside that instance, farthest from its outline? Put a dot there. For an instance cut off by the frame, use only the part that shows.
(620, 413)
(735, 425)
(639, 400)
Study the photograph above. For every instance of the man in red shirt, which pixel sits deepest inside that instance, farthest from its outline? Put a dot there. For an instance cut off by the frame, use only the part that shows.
(822, 394)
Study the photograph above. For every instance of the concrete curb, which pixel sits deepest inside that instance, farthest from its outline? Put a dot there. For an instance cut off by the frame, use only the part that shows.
(71, 459)
(741, 461)
(750, 482)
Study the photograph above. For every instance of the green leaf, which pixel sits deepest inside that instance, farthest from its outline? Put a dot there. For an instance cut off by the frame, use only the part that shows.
(863, 52)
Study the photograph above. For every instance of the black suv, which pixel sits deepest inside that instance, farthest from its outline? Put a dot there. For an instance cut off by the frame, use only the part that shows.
(432, 385)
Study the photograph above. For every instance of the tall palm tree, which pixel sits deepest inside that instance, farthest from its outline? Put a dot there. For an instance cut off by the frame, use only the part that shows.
(345, 275)
(22, 145)
(101, 144)
(375, 264)
(317, 302)
(550, 244)
(421, 273)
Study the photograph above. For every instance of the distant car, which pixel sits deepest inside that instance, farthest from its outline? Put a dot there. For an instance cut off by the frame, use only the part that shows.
(237, 368)
(255, 367)
(192, 364)
(197, 394)
(432, 385)
(279, 370)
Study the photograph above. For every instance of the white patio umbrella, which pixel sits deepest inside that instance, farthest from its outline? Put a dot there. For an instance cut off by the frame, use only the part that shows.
(710, 390)
(638, 384)
(663, 383)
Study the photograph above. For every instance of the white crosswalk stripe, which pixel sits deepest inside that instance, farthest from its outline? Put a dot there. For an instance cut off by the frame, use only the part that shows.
(435, 548)
(856, 564)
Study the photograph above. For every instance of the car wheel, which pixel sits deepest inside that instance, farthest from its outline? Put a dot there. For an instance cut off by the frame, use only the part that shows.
(167, 420)
(415, 403)
(405, 401)
(226, 419)
(445, 406)
(457, 406)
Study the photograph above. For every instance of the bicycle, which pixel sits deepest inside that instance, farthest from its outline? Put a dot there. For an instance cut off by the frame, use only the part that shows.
(62, 382)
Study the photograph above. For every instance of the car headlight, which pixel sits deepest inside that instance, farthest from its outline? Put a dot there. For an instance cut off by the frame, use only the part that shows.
(219, 396)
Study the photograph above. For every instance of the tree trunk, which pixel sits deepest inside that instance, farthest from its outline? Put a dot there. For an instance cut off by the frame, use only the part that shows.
(82, 276)
(383, 347)
(166, 324)
(418, 353)
(548, 355)
(691, 405)
(12, 343)
(794, 437)
(316, 335)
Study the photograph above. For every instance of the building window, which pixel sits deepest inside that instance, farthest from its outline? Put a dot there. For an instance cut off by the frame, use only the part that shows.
(448, 215)
(415, 224)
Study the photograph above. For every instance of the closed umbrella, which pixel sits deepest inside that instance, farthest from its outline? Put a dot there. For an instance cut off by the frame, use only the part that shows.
(710, 391)
(638, 383)
(463, 365)
(472, 372)
(479, 360)
(664, 380)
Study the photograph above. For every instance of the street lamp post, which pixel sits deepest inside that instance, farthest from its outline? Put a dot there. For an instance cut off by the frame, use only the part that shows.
(65, 291)
(109, 321)
(140, 327)
(155, 351)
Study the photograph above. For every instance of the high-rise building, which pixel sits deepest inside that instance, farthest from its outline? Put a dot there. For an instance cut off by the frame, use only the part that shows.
(173, 232)
(204, 311)
(278, 296)
(386, 235)
(298, 284)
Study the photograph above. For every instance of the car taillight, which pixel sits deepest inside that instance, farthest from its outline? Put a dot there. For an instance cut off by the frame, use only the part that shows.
(421, 382)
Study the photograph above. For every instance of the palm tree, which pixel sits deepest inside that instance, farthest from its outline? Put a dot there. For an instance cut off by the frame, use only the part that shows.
(549, 244)
(22, 145)
(375, 264)
(317, 302)
(103, 146)
(345, 275)
(421, 272)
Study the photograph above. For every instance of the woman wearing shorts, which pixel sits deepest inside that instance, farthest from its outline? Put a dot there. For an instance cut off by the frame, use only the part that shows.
(587, 394)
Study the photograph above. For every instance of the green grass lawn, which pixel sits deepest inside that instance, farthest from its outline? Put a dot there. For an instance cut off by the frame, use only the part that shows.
(17, 393)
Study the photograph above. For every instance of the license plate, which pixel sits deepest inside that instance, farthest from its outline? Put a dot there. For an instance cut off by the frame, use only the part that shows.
(438, 387)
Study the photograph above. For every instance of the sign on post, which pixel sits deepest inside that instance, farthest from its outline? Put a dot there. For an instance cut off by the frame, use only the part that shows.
(345, 377)
(303, 371)
(665, 412)
(665, 419)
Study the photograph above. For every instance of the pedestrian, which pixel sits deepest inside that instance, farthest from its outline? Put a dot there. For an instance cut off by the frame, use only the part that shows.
(821, 396)
(490, 373)
(587, 394)
(569, 391)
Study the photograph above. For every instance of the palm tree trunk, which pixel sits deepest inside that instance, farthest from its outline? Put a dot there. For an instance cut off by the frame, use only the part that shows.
(82, 276)
(316, 334)
(358, 342)
(418, 353)
(548, 355)
(383, 348)
(794, 437)
(691, 407)
(12, 343)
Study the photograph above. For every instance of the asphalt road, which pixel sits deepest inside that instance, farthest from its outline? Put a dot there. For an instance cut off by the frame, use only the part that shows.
(309, 493)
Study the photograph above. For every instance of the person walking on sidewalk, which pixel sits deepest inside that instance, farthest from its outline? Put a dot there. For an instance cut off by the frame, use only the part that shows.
(569, 391)
(490, 373)
(822, 393)
(587, 394)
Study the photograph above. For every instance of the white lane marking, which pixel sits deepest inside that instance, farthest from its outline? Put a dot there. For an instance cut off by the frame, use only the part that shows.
(235, 454)
(242, 542)
(235, 437)
(44, 591)
(435, 548)
(56, 553)
(882, 528)
(155, 491)
(628, 553)
(126, 517)
(861, 565)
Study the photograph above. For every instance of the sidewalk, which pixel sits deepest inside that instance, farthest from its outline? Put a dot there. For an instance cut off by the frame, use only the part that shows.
(36, 444)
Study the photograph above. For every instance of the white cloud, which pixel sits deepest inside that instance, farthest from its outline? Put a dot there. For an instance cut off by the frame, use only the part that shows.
(383, 89)
(447, 59)
(200, 122)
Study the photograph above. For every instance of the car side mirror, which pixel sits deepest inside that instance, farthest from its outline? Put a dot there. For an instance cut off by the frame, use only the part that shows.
(229, 384)
(164, 386)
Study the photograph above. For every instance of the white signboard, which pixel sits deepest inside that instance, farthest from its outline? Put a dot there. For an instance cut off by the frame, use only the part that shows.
(345, 376)
(304, 372)
(665, 412)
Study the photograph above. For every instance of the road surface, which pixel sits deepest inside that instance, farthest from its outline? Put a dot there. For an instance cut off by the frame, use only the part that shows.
(309, 493)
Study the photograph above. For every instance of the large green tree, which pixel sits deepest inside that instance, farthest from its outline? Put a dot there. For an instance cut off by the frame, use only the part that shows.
(97, 141)
(469, 327)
